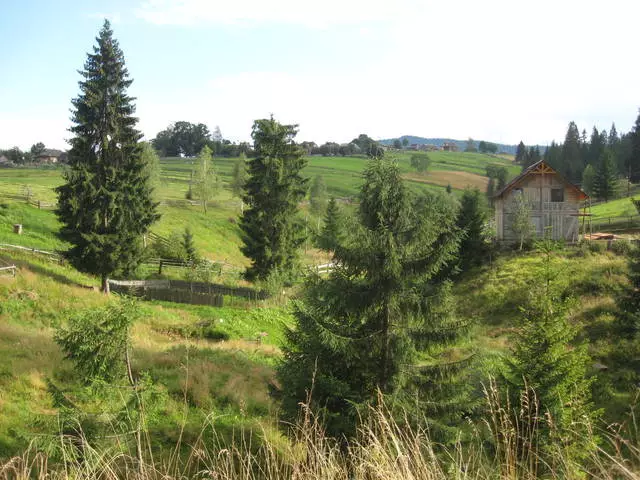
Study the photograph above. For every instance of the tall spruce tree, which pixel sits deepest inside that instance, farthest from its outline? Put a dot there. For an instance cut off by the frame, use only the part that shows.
(471, 220)
(588, 177)
(105, 205)
(271, 229)
(605, 182)
(572, 165)
(382, 319)
(521, 153)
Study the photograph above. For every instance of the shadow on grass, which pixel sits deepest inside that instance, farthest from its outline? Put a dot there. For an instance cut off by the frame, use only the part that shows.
(43, 270)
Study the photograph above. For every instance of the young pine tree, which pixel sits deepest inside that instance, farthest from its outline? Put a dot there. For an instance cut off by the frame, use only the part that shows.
(271, 229)
(189, 247)
(329, 236)
(105, 204)
(382, 320)
(605, 182)
(550, 366)
(471, 220)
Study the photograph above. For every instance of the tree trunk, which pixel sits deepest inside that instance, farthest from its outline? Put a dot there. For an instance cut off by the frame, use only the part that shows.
(105, 285)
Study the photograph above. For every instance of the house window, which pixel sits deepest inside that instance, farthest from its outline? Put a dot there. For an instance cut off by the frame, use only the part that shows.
(557, 195)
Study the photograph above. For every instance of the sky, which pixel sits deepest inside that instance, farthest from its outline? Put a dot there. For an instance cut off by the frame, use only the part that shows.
(495, 70)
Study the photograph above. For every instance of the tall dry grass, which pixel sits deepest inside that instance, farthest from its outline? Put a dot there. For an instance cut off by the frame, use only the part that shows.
(505, 445)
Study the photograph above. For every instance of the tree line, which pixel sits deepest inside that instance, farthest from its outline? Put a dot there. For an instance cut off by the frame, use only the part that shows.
(597, 161)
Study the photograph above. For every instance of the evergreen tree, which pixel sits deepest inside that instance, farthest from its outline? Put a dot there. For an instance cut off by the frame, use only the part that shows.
(613, 139)
(596, 147)
(572, 164)
(205, 178)
(318, 196)
(271, 230)
(105, 204)
(330, 234)
(521, 153)
(628, 321)
(550, 369)
(471, 220)
(605, 183)
(381, 320)
(189, 247)
(588, 177)
(633, 159)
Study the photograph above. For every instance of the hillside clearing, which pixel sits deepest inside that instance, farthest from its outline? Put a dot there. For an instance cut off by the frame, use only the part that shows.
(458, 180)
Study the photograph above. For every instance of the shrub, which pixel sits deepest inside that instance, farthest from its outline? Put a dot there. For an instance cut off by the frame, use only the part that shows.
(597, 246)
(621, 247)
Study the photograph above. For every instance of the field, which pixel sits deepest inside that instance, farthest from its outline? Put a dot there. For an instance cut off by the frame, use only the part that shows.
(216, 233)
(213, 368)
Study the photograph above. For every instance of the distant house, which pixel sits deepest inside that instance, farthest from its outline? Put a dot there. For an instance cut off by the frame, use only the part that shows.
(5, 162)
(449, 147)
(49, 155)
(554, 202)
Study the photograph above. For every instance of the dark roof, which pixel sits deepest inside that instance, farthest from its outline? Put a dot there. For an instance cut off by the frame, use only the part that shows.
(529, 169)
(50, 152)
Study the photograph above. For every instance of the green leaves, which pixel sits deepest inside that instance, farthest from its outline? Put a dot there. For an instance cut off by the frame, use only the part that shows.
(96, 341)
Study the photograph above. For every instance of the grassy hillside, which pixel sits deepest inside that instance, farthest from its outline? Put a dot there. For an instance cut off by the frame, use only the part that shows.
(177, 345)
(180, 346)
(217, 233)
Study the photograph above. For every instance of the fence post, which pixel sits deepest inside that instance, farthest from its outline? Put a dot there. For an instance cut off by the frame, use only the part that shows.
(160, 268)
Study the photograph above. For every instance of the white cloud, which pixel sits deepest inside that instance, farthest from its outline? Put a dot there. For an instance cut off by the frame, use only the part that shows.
(314, 13)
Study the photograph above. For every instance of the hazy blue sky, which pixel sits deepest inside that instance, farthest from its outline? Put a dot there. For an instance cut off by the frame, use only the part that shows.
(499, 70)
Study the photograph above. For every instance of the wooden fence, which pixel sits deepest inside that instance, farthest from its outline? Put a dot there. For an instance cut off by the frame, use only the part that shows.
(180, 291)
(612, 224)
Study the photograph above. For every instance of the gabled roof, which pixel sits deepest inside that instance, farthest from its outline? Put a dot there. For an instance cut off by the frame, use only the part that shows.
(540, 167)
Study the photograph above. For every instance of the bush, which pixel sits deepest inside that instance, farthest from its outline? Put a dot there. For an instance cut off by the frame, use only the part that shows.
(214, 334)
(621, 247)
(597, 246)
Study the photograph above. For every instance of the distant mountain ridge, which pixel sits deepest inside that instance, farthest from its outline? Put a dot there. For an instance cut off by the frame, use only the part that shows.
(462, 144)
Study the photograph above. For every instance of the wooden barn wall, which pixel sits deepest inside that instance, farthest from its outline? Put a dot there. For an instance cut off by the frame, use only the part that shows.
(560, 216)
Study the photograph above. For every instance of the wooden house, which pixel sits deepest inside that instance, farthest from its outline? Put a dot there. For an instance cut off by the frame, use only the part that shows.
(553, 200)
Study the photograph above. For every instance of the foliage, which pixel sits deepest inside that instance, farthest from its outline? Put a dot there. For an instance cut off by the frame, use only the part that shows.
(105, 205)
(588, 178)
(205, 179)
(182, 139)
(152, 168)
(97, 341)
(546, 363)
(470, 145)
(239, 176)
(329, 236)
(629, 319)
(471, 220)
(318, 196)
(271, 231)
(522, 225)
(521, 153)
(420, 161)
(382, 319)
(605, 182)
(190, 252)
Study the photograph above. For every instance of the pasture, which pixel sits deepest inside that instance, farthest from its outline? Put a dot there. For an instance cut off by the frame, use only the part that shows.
(216, 234)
